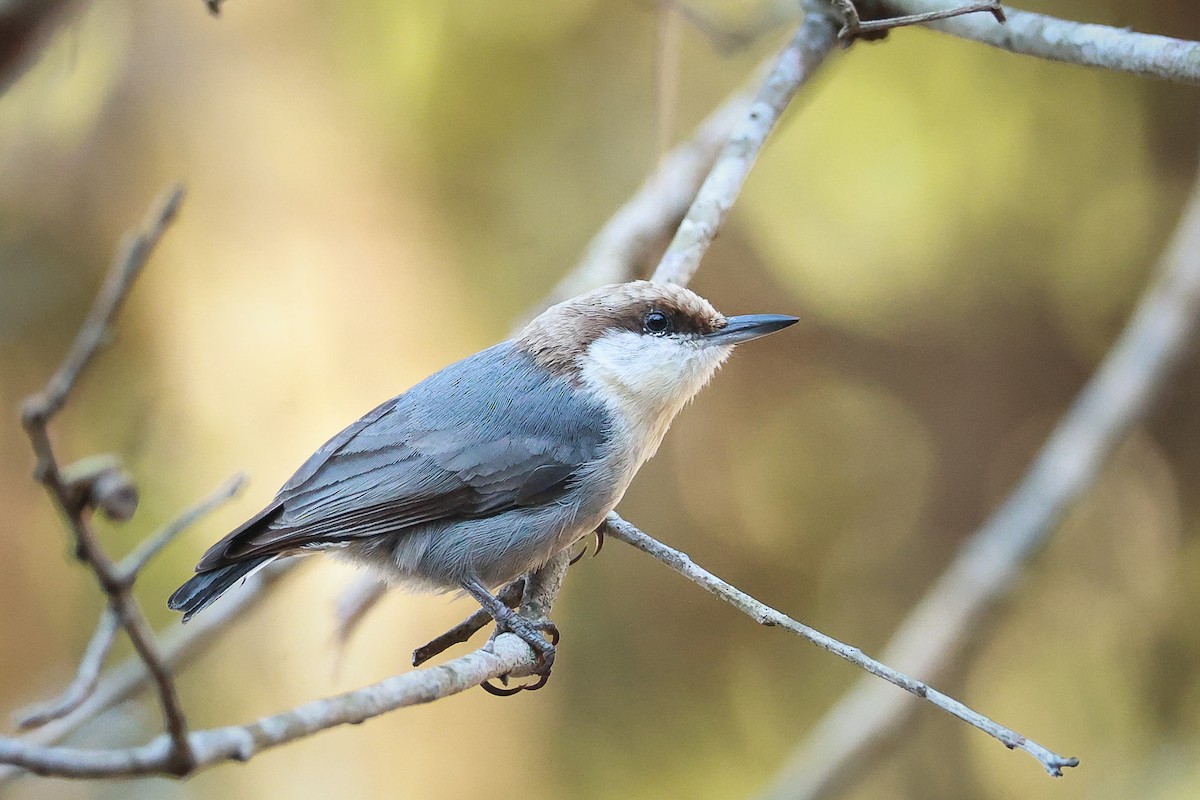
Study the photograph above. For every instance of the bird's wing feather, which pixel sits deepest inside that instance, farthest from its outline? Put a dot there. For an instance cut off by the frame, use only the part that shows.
(489, 433)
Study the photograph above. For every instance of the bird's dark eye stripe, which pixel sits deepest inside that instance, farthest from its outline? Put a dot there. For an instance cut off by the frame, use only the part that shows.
(656, 322)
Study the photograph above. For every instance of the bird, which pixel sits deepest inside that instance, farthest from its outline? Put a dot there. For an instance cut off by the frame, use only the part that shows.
(488, 468)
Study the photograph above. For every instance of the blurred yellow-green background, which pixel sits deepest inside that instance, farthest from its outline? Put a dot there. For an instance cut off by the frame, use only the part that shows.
(378, 188)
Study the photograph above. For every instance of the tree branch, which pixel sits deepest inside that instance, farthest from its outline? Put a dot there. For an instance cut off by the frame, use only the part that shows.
(765, 615)
(1072, 42)
(987, 566)
(178, 646)
(77, 497)
(508, 654)
(813, 42)
(88, 674)
(510, 595)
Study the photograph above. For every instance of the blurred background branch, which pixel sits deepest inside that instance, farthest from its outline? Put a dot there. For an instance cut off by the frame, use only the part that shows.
(987, 569)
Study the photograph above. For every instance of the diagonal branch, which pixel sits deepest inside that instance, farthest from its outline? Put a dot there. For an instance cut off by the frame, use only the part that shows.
(765, 615)
(638, 230)
(809, 48)
(987, 566)
(1082, 43)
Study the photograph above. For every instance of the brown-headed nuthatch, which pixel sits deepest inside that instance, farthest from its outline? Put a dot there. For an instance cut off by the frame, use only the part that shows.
(485, 470)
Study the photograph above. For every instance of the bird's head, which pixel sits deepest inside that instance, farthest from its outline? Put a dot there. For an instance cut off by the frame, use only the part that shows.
(645, 347)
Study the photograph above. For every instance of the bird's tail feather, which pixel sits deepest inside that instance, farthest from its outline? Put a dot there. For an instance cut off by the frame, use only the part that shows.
(205, 587)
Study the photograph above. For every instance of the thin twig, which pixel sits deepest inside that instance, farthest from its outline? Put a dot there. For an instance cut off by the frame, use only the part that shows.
(985, 571)
(86, 676)
(854, 27)
(1083, 43)
(510, 595)
(765, 615)
(813, 42)
(39, 410)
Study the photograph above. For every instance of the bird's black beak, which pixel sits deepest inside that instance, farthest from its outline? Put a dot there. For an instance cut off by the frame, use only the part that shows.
(749, 326)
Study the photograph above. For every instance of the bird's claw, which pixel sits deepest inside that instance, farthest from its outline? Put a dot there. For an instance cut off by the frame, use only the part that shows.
(599, 533)
(507, 691)
(547, 627)
(530, 632)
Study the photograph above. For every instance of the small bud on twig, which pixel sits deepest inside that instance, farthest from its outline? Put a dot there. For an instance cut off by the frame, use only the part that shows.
(100, 482)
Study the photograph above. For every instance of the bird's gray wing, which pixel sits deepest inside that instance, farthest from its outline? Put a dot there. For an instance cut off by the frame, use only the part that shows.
(489, 433)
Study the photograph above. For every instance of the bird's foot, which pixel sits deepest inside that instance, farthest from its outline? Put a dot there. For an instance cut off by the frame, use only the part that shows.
(533, 632)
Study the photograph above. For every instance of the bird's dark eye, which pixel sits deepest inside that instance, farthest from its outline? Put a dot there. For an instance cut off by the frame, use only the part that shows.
(657, 323)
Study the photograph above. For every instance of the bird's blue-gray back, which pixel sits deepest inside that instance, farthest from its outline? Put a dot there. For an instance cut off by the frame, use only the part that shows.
(460, 444)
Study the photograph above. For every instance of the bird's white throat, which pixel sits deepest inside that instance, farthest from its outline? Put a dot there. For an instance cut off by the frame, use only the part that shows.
(647, 380)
